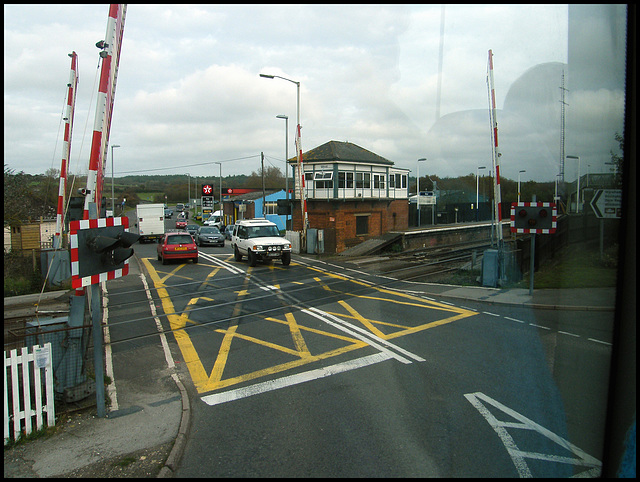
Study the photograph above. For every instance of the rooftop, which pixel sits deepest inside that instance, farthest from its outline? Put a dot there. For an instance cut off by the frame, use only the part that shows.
(342, 151)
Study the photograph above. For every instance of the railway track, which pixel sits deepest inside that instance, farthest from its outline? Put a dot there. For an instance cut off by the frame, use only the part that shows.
(431, 263)
(19, 315)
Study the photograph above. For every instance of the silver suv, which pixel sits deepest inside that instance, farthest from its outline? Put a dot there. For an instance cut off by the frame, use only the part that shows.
(259, 239)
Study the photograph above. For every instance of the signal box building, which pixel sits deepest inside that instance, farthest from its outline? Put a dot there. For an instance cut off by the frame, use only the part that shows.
(352, 195)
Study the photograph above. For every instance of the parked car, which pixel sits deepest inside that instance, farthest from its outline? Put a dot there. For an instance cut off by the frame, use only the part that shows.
(192, 229)
(181, 223)
(177, 246)
(228, 231)
(209, 235)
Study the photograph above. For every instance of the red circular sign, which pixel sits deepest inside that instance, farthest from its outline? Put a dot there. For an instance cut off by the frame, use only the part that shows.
(207, 190)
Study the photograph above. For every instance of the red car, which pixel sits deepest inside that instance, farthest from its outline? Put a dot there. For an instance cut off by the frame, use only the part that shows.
(181, 223)
(177, 246)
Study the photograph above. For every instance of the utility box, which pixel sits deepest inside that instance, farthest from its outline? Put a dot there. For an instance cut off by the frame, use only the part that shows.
(490, 265)
(315, 241)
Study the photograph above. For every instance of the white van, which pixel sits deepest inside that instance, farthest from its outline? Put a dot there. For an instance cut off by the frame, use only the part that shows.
(215, 220)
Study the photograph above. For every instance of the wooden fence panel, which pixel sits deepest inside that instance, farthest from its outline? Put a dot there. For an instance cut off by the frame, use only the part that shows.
(20, 407)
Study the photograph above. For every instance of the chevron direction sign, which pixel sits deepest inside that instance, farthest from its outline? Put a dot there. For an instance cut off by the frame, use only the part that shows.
(607, 203)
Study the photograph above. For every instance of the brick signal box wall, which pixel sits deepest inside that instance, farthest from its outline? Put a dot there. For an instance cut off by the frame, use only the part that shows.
(338, 220)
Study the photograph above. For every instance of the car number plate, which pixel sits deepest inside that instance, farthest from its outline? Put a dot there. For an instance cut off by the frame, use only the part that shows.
(274, 255)
(181, 249)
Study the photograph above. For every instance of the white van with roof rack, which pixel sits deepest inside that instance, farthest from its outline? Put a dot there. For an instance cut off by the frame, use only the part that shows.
(259, 240)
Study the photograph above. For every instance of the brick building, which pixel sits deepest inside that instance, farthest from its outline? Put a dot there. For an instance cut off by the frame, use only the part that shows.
(352, 194)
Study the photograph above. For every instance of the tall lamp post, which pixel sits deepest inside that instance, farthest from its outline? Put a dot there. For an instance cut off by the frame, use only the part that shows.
(418, 187)
(478, 191)
(577, 183)
(113, 209)
(519, 172)
(298, 153)
(221, 210)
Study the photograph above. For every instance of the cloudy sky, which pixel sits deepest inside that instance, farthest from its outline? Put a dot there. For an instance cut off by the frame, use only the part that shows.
(189, 92)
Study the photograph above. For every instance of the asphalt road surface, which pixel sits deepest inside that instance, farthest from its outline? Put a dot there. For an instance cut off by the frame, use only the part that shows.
(315, 370)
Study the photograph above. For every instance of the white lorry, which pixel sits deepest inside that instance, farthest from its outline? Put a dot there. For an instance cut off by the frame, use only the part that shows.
(150, 221)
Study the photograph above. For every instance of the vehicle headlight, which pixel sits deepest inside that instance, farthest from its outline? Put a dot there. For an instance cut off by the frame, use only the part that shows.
(257, 248)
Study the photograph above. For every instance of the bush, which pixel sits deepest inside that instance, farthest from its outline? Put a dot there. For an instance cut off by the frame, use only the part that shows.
(20, 278)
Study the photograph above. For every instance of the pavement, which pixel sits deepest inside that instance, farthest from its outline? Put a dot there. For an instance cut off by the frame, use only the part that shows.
(146, 436)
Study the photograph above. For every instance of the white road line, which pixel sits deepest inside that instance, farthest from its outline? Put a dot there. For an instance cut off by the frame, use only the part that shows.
(258, 388)
(513, 319)
(487, 313)
(519, 456)
(364, 335)
(567, 333)
(221, 263)
(540, 326)
(599, 341)
(163, 338)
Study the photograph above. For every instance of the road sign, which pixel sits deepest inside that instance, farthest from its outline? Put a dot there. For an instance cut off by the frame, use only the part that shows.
(207, 190)
(607, 203)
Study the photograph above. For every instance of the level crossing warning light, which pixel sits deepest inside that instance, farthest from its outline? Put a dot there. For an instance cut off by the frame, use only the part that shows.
(534, 218)
(100, 249)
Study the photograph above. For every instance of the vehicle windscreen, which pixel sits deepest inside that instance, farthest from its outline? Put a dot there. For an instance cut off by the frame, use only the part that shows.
(211, 230)
(181, 239)
(262, 231)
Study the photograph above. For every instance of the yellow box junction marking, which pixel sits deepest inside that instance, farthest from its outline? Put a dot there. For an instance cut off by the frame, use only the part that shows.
(204, 382)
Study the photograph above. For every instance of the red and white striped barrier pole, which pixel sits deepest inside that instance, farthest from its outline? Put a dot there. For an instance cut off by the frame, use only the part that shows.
(496, 152)
(106, 93)
(303, 197)
(66, 149)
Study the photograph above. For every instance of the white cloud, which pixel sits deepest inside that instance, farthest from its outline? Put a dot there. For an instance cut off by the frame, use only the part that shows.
(189, 91)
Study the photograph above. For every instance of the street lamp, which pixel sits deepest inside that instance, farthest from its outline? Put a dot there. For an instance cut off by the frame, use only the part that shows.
(266, 76)
(113, 209)
(519, 172)
(478, 192)
(418, 187)
(300, 173)
(221, 210)
(577, 183)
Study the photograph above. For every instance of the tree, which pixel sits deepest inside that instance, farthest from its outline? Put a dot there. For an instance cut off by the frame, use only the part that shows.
(25, 197)
(273, 179)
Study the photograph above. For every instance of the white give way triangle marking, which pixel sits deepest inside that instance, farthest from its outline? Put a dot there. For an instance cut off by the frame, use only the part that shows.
(519, 456)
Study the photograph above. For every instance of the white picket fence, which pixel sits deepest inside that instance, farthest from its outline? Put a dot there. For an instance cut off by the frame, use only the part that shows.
(21, 407)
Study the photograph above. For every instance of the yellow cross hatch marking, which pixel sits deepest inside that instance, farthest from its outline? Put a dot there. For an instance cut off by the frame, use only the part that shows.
(204, 382)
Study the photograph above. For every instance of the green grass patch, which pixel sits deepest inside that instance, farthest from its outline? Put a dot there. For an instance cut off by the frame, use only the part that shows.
(578, 266)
